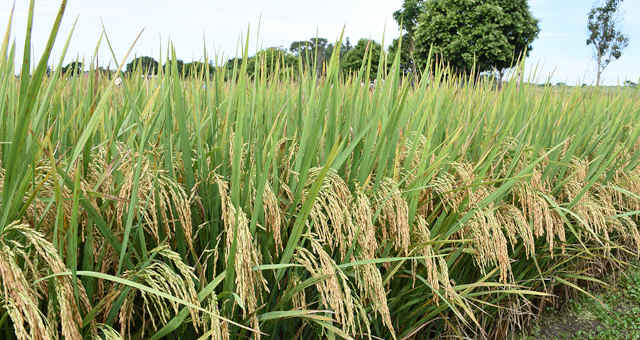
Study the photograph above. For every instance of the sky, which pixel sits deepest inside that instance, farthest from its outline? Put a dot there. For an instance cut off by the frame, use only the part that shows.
(559, 54)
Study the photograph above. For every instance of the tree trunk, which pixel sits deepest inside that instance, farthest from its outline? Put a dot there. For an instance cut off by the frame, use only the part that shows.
(599, 69)
(414, 70)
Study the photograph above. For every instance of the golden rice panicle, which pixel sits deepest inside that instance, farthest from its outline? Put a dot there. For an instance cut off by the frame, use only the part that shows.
(160, 276)
(272, 216)
(335, 293)
(394, 215)
(157, 192)
(217, 329)
(363, 218)
(172, 194)
(249, 283)
(591, 210)
(627, 229)
(630, 181)
(485, 228)
(445, 186)
(445, 281)
(19, 294)
(299, 299)
(39, 211)
(188, 278)
(369, 278)
(105, 332)
(70, 313)
(533, 196)
(413, 148)
(516, 225)
(422, 241)
(490, 242)
(21, 300)
(331, 212)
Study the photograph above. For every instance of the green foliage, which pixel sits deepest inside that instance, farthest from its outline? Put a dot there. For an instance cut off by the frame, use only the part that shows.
(607, 41)
(167, 67)
(488, 35)
(197, 69)
(105, 72)
(272, 58)
(266, 61)
(407, 17)
(358, 57)
(74, 68)
(144, 65)
(406, 60)
(318, 51)
(612, 313)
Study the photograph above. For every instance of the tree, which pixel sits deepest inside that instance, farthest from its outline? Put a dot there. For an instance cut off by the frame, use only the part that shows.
(168, 67)
(74, 68)
(269, 59)
(607, 41)
(197, 69)
(488, 34)
(344, 49)
(313, 51)
(347, 46)
(407, 64)
(266, 60)
(104, 72)
(407, 18)
(354, 60)
(146, 65)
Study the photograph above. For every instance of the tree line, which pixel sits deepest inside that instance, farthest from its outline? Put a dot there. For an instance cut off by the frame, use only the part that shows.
(468, 36)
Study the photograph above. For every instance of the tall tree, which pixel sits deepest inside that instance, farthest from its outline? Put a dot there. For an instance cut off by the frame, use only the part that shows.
(607, 41)
(74, 68)
(359, 55)
(270, 59)
(314, 51)
(319, 48)
(168, 67)
(488, 34)
(147, 65)
(198, 69)
(299, 48)
(407, 17)
(407, 64)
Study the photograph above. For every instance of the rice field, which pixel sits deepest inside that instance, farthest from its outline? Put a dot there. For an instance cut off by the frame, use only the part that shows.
(294, 205)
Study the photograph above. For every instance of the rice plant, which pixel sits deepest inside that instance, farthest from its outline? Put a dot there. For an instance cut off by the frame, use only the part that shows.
(297, 205)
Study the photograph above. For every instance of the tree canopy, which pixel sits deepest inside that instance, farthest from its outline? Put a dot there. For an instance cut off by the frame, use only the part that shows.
(354, 60)
(266, 60)
(407, 17)
(407, 64)
(607, 41)
(490, 34)
(74, 68)
(168, 67)
(197, 69)
(147, 65)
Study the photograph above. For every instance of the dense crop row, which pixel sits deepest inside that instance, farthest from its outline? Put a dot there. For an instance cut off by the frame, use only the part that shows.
(304, 207)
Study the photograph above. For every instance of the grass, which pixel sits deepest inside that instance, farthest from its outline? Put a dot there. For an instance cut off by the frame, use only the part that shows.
(297, 205)
(613, 313)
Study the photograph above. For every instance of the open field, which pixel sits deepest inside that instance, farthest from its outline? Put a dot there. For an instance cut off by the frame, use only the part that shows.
(299, 207)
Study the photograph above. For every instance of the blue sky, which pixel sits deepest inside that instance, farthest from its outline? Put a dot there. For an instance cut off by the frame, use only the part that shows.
(559, 51)
(560, 48)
